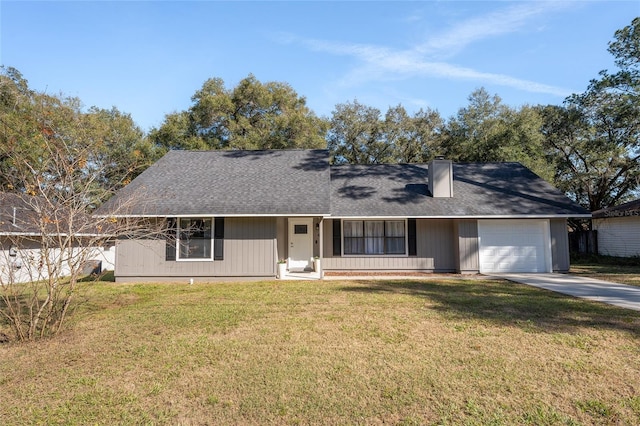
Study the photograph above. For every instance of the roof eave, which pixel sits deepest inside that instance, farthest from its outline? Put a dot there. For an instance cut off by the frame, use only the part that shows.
(64, 234)
(129, 216)
(530, 216)
(343, 216)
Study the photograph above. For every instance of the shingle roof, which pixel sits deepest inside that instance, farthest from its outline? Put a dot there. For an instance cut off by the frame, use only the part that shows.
(268, 182)
(22, 214)
(16, 215)
(300, 182)
(630, 209)
(479, 190)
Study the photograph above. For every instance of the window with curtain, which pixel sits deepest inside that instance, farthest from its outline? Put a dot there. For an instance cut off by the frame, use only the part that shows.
(394, 240)
(194, 239)
(375, 237)
(353, 231)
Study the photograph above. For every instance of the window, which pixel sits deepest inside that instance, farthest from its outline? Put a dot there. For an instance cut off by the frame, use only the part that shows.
(299, 229)
(194, 239)
(376, 237)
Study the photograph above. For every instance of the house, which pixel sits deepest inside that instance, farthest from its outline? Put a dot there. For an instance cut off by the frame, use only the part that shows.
(618, 230)
(233, 214)
(26, 221)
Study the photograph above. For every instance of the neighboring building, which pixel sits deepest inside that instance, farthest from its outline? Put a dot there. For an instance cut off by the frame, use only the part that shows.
(233, 214)
(618, 230)
(22, 229)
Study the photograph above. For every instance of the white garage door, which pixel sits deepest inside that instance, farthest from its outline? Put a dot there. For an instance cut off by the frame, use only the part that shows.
(514, 246)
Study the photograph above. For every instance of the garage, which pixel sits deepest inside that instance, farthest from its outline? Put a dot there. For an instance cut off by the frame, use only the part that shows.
(514, 246)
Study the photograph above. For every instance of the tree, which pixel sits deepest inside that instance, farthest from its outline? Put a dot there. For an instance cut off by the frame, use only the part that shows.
(252, 115)
(487, 130)
(119, 147)
(359, 135)
(58, 163)
(108, 140)
(414, 139)
(356, 137)
(526, 141)
(50, 240)
(595, 136)
(18, 125)
(479, 131)
(625, 48)
(176, 133)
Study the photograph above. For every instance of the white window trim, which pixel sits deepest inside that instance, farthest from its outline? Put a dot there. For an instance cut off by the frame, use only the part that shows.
(406, 237)
(178, 232)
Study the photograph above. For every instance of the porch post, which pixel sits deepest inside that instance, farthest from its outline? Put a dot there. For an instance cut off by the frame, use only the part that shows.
(321, 246)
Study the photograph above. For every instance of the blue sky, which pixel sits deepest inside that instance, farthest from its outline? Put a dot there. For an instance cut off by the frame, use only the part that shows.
(148, 58)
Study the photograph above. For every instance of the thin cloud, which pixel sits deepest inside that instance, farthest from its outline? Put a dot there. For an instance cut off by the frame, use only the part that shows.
(383, 64)
(415, 17)
(494, 24)
(452, 71)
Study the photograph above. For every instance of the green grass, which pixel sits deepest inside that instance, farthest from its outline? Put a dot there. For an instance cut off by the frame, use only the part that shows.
(414, 352)
(616, 269)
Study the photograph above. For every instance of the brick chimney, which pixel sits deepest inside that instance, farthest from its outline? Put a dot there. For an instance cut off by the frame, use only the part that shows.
(441, 178)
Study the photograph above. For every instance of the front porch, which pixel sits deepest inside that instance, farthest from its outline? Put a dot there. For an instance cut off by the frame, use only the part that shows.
(306, 275)
(300, 247)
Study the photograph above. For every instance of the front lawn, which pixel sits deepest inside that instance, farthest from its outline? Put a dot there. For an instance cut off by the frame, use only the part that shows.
(608, 268)
(432, 351)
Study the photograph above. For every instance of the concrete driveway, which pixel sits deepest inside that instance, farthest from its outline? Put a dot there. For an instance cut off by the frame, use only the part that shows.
(625, 296)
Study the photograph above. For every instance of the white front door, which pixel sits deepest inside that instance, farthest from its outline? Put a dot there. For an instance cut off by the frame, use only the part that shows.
(300, 244)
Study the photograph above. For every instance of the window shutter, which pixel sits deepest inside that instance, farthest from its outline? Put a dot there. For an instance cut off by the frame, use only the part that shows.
(218, 238)
(337, 238)
(411, 235)
(170, 250)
